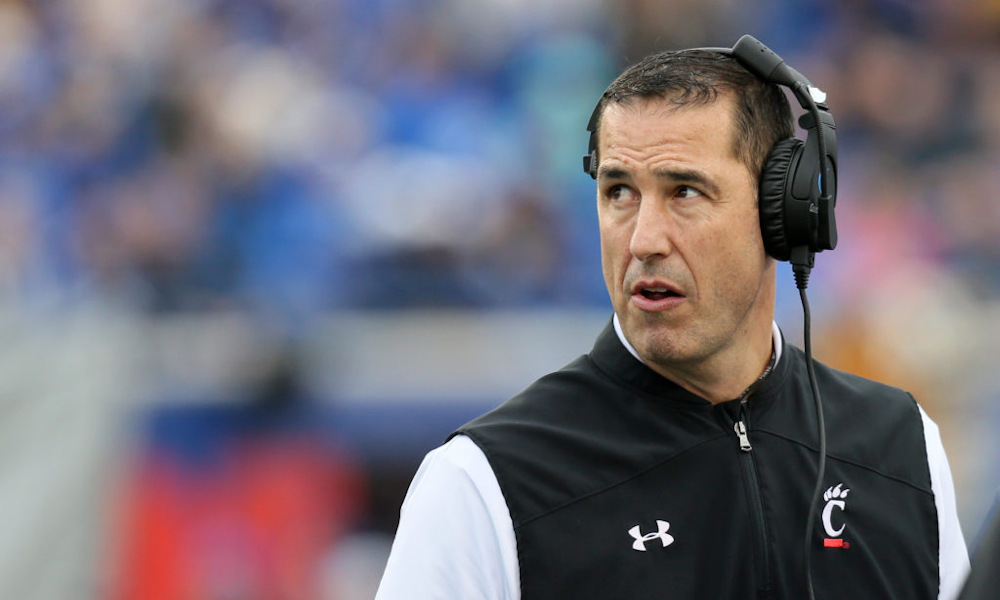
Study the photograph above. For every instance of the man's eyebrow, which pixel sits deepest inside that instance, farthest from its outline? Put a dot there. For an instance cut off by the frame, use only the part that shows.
(612, 173)
(682, 176)
(691, 176)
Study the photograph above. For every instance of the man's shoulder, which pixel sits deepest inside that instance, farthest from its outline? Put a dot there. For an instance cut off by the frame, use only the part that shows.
(873, 424)
(561, 438)
(548, 398)
(842, 385)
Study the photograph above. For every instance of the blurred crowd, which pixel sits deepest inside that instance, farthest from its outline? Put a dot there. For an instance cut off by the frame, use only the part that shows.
(292, 158)
(288, 157)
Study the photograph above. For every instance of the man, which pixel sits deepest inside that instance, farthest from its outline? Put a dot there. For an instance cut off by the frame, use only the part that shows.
(678, 458)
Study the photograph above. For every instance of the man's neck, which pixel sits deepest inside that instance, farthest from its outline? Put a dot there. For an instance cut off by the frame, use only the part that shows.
(705, 381)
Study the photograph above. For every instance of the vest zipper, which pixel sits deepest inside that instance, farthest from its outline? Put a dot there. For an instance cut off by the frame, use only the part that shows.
(741, 432)
(751, 484)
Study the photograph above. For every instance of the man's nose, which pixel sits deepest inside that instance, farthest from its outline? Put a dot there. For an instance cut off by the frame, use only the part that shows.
(651, 232)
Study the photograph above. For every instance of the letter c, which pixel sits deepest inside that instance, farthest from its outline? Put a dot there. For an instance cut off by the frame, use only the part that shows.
(827, 512)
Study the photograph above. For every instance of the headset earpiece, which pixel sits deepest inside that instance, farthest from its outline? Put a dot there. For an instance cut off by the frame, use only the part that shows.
(590, 160)
(793, 209)
(774, 181)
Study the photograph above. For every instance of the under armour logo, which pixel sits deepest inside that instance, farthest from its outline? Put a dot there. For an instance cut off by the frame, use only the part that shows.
(834, 497)
(661, 534)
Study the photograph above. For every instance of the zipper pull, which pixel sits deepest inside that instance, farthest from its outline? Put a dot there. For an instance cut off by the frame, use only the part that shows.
(741, 432)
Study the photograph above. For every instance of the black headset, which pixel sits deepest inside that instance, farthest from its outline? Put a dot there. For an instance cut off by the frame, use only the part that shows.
(798, 184)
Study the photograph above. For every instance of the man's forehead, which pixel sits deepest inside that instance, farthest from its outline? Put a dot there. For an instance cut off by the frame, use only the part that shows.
(618, 114)
(637, 114)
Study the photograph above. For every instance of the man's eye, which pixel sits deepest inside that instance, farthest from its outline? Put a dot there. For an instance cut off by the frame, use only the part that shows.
(686, 191)
(621, 193)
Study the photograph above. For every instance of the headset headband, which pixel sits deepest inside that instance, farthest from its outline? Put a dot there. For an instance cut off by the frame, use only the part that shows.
(756, 58)
(764, 63)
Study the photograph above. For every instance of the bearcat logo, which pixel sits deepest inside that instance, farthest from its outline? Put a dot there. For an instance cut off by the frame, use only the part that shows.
(834, 497)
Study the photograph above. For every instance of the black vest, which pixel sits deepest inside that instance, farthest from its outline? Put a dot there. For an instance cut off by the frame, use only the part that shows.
(621, 484)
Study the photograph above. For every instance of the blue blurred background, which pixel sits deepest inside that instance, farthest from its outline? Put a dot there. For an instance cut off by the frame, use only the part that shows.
(258, 256)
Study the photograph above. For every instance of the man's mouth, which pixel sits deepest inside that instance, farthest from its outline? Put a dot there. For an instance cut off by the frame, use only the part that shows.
(658, 293)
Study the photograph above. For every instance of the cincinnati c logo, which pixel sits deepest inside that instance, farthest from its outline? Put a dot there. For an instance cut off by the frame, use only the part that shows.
(834, 497)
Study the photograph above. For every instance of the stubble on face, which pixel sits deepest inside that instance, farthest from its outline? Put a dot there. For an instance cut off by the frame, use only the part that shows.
(709, 249)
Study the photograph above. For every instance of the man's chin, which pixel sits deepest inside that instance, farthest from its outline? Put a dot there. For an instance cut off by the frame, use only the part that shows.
(660, 345)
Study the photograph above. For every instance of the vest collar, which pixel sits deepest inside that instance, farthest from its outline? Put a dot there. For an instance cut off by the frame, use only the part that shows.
(775, 336)
(613, 354)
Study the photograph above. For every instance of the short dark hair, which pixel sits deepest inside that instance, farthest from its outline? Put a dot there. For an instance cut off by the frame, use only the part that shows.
(698, 77)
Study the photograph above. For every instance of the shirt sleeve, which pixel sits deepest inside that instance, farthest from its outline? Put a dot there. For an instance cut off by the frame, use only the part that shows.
(953, 555)
(455, 539)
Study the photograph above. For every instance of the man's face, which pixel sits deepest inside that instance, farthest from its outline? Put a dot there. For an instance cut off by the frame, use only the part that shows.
(680, 236)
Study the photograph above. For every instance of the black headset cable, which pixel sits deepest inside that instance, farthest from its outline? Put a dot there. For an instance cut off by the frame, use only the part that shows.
(801, 270)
